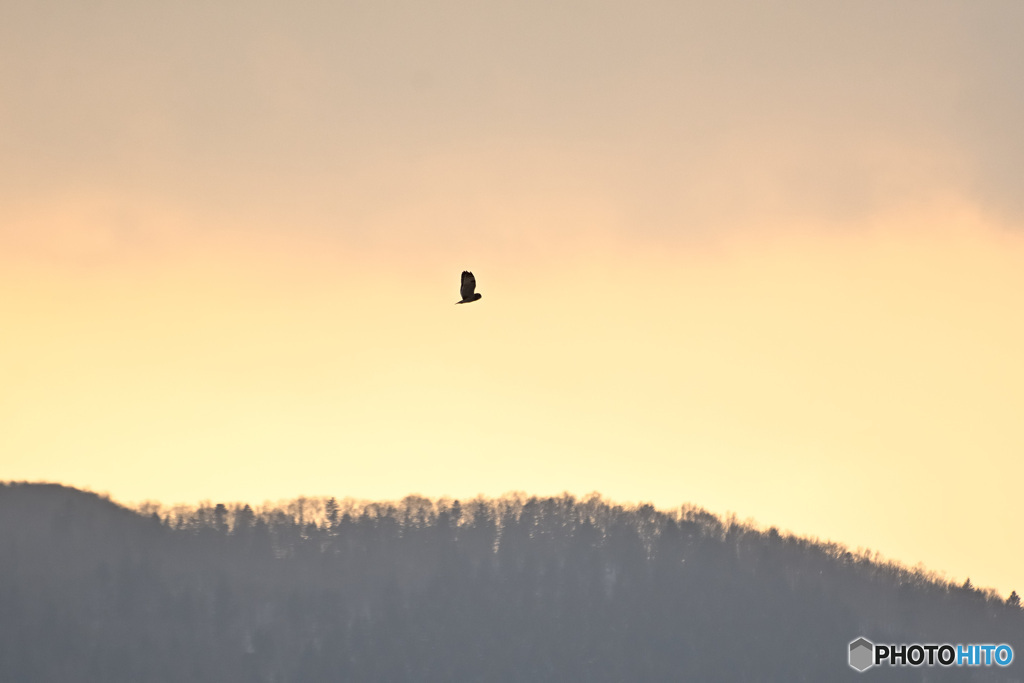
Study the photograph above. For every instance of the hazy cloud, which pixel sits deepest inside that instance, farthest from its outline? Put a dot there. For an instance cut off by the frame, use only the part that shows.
(675, 117)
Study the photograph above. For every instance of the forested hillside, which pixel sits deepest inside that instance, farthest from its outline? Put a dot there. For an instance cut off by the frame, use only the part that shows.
(507, 589)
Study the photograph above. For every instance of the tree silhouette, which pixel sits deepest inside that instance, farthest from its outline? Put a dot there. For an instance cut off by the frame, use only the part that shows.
(515, 588)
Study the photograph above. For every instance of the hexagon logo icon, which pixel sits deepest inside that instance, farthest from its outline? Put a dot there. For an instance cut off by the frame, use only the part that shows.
(862, 653)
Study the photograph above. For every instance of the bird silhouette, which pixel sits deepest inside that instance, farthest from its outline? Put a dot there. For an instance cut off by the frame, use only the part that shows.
(468, 285)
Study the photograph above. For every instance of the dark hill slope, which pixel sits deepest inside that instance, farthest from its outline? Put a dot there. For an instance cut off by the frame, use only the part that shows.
(510, 589)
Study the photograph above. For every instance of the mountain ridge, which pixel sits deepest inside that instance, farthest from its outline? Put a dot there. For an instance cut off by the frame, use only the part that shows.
(509, 588)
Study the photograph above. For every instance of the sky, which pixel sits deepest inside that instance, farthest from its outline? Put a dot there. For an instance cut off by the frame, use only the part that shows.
(762, 258)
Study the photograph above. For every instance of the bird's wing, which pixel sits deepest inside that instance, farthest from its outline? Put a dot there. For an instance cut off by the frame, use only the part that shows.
(468, 284)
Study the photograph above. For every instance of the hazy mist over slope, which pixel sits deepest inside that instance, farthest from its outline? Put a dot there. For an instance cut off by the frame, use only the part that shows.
(509, 589)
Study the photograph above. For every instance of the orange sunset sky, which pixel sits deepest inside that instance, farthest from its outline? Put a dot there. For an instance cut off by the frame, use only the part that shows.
(762, 258)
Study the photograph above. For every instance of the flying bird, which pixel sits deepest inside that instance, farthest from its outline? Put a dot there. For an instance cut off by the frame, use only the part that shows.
(468, 285)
